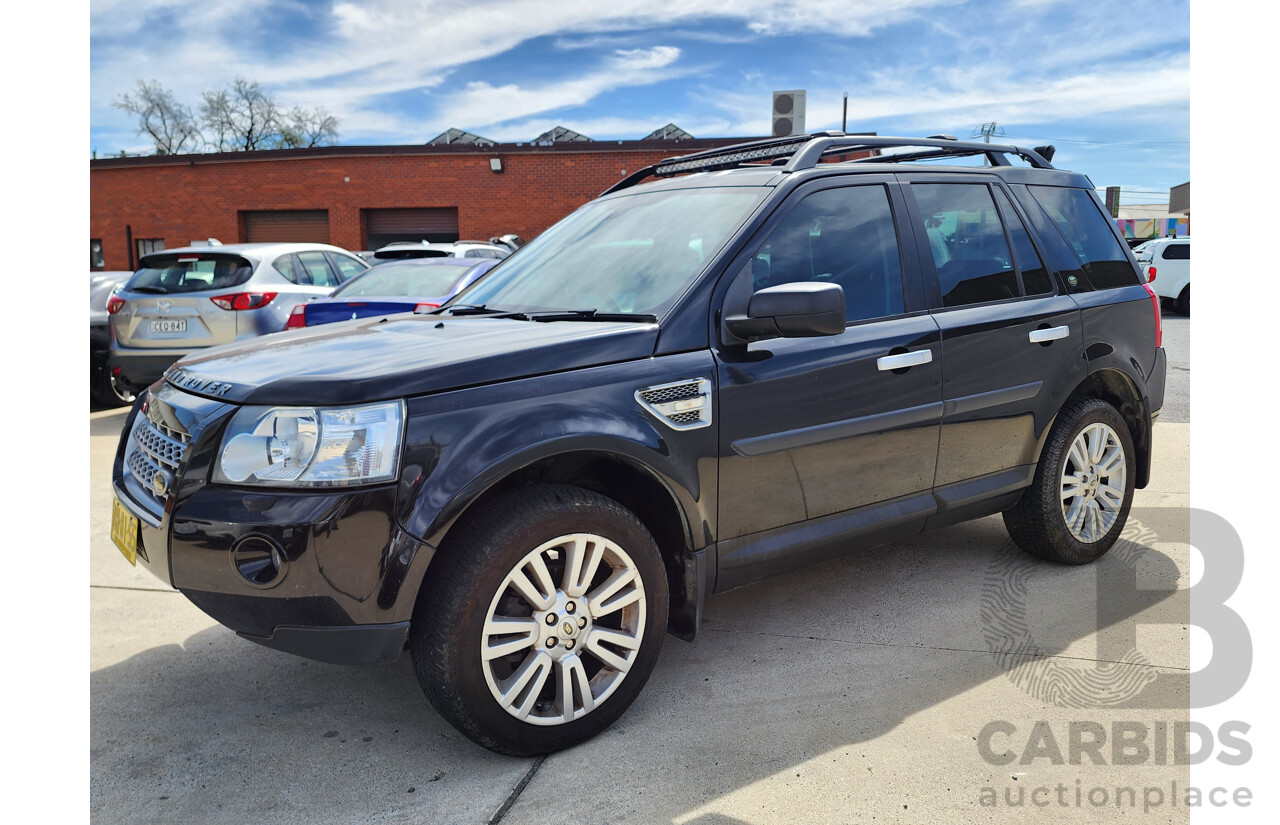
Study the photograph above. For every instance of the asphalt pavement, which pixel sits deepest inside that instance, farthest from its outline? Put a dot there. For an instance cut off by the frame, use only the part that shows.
(914, 682)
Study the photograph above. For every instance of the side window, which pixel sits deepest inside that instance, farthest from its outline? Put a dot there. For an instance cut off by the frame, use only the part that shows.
(349, 267)
(285, 266)
(1177, 252)
(317, 267)
(1035, 278)
(967, 240)
(844, 236)
(1089, 234)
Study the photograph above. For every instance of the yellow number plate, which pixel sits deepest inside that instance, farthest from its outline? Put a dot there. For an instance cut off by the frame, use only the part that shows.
(124, 531)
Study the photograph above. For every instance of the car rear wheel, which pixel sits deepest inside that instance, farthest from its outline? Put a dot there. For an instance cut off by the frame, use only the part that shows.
(111, 391)
(1184, 300)
(541, 624)
(1080, 496)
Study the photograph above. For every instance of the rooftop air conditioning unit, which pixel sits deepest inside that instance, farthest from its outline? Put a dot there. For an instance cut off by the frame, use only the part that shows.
(788, 113)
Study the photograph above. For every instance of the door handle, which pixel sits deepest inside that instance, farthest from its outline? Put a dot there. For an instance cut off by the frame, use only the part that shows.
(887, 363)
(1044, 336)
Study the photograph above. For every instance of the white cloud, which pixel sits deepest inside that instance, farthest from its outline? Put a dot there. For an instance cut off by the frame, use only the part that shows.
(385, 46)
(1019, 67)
(481, 104)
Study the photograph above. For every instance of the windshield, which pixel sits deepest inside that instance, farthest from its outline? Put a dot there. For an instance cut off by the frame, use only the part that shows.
(418, 280)
(190, 272)
(633, 254)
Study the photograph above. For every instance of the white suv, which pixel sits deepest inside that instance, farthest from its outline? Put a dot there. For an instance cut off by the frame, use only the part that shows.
(424, 249)
(1167, 264)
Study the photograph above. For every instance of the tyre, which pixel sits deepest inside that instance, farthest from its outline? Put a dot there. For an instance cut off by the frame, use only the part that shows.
(109, 391)
(1082, 490)
(1184, 301)
(541, 623)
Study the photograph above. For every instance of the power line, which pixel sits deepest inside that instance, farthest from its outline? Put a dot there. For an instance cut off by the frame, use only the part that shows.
(1153, 143)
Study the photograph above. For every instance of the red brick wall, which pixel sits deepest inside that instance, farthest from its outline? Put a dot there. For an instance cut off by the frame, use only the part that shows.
(190, 197)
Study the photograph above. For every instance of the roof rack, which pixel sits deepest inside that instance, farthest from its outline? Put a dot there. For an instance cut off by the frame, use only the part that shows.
(799, 152)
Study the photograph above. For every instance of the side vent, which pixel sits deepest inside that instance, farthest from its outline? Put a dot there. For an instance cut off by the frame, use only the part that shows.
(681, 405)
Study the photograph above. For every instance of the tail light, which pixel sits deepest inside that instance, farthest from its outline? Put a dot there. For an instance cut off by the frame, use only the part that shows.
(297, 318)
(244, 300)
(1155, 306)
(425, 307)
(114, 304)
(1151, 274)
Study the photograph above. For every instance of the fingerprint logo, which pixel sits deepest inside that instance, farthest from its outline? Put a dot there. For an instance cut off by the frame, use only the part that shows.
(1007, 631)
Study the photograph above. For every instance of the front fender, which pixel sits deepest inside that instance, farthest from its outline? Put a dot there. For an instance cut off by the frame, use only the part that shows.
(460, 444)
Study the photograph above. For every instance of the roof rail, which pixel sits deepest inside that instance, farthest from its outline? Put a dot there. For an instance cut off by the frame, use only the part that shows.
(799, 152)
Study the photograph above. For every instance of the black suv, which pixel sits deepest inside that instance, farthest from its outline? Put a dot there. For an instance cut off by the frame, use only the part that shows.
(758, 360)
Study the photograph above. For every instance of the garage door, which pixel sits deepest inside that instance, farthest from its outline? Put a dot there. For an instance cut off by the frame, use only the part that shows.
(287, 226)
(439, 225)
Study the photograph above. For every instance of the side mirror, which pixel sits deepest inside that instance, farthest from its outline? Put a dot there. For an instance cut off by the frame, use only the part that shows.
(804, 309)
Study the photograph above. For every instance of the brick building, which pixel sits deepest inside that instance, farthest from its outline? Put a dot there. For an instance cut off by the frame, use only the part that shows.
(356, 197)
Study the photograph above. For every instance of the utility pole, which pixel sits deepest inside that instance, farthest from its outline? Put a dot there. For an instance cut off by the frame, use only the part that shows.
(844, 119)
(986, 130)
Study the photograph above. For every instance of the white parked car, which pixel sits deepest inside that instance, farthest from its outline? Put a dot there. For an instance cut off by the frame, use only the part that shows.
(1167, 264)
(424, 249)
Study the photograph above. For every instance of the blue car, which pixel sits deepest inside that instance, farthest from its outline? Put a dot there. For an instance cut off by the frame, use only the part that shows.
(395, 286)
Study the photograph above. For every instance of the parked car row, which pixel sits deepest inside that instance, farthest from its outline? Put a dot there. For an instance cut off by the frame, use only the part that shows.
(180, 301)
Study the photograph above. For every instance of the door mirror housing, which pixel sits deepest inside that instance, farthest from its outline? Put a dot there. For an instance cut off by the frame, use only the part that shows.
(803, 309)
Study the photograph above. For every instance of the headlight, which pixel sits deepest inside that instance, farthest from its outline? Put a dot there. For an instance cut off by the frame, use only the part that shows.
(289, 446)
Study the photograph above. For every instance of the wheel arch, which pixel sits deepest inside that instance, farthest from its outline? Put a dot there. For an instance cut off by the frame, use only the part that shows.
(1118, 389)
(625, 479)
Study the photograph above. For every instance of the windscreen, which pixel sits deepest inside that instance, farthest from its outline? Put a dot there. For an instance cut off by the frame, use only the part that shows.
(635, 253)
(169, 274)
(414, 280)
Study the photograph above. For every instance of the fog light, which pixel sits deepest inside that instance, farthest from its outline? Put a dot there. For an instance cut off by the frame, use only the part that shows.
(259, 560)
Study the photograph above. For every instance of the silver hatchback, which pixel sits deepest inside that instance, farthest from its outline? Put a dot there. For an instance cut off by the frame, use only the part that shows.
(183, 300)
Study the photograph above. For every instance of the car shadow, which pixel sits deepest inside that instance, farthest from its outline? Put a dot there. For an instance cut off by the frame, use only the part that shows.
(817, 660)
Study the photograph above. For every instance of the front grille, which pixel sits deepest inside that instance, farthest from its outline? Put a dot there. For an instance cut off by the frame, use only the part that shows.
(153, 448)
(681, 405)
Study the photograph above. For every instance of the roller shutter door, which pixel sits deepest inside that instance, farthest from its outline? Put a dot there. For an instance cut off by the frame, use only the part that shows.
(438, 225)
(287, 226)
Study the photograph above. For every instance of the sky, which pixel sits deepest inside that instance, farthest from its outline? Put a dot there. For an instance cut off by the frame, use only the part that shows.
(1108, 84)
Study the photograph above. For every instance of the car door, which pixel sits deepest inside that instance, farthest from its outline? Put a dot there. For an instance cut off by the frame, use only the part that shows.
(1010, 341)
(812, 428)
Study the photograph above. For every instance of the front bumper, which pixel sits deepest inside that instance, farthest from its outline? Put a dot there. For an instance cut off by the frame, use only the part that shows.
(326, 574)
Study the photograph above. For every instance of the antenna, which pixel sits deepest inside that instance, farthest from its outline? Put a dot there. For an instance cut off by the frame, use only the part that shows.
(986, 130)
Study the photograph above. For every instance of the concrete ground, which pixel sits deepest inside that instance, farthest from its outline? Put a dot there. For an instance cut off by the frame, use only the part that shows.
(855, 690)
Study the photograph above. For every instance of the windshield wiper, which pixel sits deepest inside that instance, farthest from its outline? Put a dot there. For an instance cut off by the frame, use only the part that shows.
(592, 315)
(158, 290)
(475, 309)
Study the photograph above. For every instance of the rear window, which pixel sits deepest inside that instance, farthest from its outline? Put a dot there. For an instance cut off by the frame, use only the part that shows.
(1089, 233)
(420, 281)
(196, 272)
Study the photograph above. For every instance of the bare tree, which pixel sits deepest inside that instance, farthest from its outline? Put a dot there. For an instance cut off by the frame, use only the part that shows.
(241, 117)
(309, 127)
(169, 123)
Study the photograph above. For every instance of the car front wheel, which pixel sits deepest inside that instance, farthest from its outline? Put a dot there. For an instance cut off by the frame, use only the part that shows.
(542, 623)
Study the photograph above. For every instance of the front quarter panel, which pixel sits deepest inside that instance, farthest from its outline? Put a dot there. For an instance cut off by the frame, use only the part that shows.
(461, 443)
